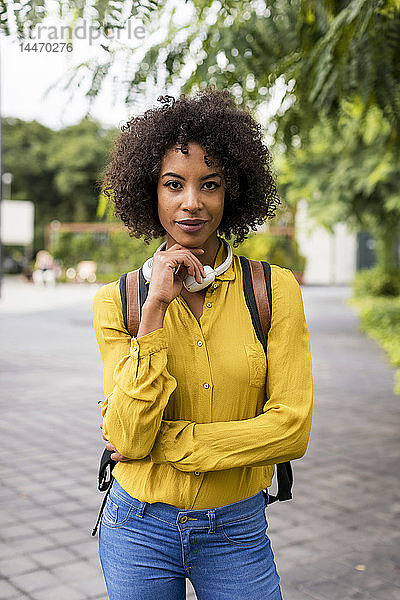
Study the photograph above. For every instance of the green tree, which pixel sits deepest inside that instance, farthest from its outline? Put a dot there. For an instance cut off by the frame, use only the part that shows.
(348, 172)
(76, 156)
(57, 170)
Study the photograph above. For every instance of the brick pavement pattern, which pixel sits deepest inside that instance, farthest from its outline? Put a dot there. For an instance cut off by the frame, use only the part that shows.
(337, 540)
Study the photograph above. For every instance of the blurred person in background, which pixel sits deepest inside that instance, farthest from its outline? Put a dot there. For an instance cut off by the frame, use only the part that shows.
(193, 417)
(45, 269)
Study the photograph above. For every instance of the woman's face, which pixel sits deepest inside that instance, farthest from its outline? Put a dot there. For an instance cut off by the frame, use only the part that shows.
(190, 190)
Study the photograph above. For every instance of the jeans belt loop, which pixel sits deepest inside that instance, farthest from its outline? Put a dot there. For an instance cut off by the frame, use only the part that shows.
(211, 516)
(140, 510)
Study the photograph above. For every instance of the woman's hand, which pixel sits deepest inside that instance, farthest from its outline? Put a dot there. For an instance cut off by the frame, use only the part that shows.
(165, 284)
(116, 455)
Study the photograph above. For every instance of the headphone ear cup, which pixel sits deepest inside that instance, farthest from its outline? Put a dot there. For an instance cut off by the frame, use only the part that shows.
(148, 265)
(192, 285)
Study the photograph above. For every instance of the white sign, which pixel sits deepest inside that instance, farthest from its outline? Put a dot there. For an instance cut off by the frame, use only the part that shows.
(17, 221)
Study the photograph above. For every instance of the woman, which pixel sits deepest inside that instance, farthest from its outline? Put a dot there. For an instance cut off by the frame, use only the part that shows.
(192, 419)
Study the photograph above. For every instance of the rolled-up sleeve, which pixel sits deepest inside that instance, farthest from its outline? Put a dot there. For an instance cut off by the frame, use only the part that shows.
(137, 384)
(281, 432)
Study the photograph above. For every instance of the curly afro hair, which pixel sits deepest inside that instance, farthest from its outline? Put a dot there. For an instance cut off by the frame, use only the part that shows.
(229, 135)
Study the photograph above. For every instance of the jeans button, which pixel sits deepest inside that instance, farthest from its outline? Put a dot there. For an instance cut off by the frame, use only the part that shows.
(183, 519)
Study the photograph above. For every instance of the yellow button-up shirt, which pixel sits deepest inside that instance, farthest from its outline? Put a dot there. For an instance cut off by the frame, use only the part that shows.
(191, 404)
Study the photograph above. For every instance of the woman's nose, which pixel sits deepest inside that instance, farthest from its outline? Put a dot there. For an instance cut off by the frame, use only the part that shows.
(191, 200)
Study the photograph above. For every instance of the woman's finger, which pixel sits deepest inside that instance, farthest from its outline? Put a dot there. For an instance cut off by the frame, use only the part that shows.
(116, 455)
(192, 264)
(119, 457)
(194, 269)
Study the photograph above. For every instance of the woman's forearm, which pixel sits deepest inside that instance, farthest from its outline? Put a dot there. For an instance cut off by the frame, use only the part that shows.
(152, 318)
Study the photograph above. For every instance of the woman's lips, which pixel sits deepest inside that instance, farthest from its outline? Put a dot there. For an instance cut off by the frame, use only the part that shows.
(187, 227)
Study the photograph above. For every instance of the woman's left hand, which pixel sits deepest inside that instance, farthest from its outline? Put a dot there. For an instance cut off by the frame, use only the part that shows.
(116, 455)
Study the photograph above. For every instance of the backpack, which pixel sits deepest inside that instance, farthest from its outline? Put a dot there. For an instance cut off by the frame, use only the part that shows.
(258, 296)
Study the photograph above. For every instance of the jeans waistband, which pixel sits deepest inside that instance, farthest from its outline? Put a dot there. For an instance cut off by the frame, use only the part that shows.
(208, 517)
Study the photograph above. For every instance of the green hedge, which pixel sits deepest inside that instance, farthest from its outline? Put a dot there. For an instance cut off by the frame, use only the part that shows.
(376, 282)
(380, 319)
(115, 253)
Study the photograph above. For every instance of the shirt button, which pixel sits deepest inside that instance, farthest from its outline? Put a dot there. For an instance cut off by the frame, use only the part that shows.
(135, 348)
(199, 343)
(183, 519)
(209, 305)
(215, 285)
(197, 473)
(206, 385)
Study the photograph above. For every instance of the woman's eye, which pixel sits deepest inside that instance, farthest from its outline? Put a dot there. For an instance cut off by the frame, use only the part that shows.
(173, 185)
(214, 185)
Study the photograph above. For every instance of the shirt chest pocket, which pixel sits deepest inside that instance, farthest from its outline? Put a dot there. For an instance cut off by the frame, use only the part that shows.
(257, 364)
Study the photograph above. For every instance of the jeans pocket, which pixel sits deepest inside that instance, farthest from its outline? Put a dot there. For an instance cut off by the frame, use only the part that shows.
(116, 512)
(248, 531)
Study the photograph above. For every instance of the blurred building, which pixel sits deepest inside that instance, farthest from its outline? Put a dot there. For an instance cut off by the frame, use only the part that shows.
(332, 258)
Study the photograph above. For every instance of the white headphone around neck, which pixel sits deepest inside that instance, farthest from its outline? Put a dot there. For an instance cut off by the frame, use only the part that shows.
(190, 282)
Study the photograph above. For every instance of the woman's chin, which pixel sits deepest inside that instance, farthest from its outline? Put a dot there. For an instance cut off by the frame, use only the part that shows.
(188, 239)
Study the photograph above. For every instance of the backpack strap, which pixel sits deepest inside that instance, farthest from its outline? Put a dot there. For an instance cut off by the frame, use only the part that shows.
(133, 292)
(132, 303)
(258, 295)
(253, 297)
(284, 475)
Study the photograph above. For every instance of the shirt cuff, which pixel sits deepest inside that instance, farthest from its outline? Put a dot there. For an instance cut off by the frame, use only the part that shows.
(148, 344)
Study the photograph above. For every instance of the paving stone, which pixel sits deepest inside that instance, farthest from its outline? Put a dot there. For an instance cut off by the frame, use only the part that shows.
(16, 566)
(333, 590)
(59, 592)
(82, 519)
(17, 531)
(54, 557)
(385, 593)
(51, 524)
(69, 536)
(290, 593)
(34, 543)
(87, 549)
(90, 587)
(7, 590)
(76, 571)
(36, 580)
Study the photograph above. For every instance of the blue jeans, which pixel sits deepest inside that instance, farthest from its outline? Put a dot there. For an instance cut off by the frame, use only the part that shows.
(148, 549)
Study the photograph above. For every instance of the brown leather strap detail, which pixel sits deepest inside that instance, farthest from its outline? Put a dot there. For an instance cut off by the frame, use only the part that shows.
(261, 296)
(132, 302)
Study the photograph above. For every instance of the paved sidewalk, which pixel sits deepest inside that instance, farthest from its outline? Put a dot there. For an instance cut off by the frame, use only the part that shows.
(337, 540)
(18, 296)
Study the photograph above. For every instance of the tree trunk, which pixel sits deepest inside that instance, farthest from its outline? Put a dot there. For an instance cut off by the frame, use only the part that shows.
(387, 239)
